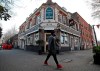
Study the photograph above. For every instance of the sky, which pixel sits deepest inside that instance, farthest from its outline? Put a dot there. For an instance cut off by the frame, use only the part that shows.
(25, 7)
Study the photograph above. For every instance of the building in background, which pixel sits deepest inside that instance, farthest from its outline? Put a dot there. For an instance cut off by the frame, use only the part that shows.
(86, 32)
(15, 41)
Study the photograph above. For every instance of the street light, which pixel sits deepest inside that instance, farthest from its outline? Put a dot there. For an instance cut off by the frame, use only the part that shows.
(94, 36)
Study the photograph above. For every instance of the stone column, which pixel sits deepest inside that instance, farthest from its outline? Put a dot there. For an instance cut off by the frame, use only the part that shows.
(42, 37)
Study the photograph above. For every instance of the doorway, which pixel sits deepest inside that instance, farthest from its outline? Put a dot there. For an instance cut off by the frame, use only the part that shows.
(46, 41)
(23, 44)
(72, 43)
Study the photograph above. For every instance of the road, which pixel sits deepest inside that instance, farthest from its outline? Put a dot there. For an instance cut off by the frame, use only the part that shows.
(21, 60)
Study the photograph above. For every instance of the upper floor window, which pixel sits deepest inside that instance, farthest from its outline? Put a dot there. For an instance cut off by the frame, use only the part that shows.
(64, 19)
(30, 22)
(38, 20)
(49, 13)
(28, 25)
(60, 18)
(22, 29)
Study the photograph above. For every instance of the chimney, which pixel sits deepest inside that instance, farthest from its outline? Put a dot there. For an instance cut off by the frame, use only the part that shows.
(49, 1)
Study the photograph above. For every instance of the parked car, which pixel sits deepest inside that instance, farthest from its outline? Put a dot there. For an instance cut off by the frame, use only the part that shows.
(9, 46)
(6, 46)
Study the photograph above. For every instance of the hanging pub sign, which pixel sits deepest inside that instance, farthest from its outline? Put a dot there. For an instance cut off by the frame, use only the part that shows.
(49, 13)
(71, 22)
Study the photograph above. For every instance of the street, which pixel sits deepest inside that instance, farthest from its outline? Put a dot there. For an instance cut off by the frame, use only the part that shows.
(20, 60)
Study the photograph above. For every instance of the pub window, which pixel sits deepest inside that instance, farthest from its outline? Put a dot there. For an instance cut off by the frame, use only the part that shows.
(28, 25)
(60, 18)
(28, 40)
(64, 19)
(76, 41)
(31, 40)
(66, 39)
(77, 27)
(36, 37)
(49, 13)
(67, 23)
(38, 19)
(62, 39)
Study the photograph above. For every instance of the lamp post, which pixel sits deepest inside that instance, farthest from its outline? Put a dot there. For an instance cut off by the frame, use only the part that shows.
(94, 36)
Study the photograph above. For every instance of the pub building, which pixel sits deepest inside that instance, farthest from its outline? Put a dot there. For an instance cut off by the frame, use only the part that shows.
(48, 17)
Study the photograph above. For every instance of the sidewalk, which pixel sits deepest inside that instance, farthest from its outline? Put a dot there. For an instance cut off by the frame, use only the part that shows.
(77, 61)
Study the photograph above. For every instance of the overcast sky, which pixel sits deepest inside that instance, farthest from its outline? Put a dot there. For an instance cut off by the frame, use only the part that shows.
(26, 7)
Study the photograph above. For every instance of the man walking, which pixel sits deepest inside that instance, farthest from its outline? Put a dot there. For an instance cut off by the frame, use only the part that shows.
(52, 50)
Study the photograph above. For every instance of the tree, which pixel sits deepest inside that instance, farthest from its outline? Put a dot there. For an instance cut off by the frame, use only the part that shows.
(5, 6)
(41, 45)
(4, 13)
(11, 32)
(96, 8)
(0, 32)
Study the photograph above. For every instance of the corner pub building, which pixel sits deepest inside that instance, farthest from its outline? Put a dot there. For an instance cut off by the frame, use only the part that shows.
(48, 17)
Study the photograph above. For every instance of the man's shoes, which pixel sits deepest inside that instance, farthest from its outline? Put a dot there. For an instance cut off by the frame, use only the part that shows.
(46, 63)
(59, 66)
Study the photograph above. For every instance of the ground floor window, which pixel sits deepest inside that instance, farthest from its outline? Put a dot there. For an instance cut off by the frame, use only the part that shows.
(28, 40)
(76, 41)
(36, 37)
(64, 38)
(47, 36)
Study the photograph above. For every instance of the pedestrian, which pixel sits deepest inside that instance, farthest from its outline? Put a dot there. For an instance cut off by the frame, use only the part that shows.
(52, 50)
(57, 45)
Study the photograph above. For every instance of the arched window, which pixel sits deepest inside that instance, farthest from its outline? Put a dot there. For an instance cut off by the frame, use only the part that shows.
(49, 13)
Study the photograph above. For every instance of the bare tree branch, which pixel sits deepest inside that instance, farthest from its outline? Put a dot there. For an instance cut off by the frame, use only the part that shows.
(96, 14)
(95, 4)
(11, 32)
